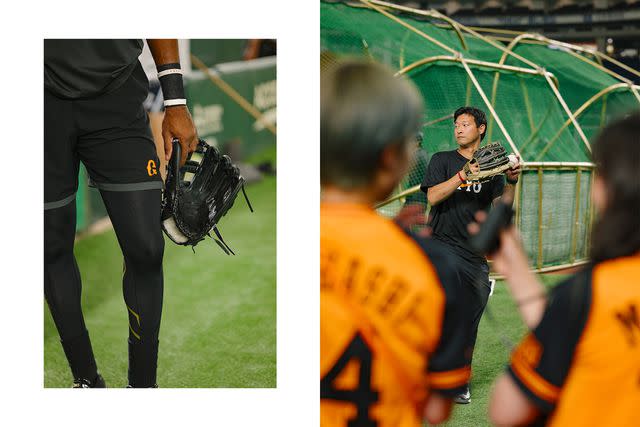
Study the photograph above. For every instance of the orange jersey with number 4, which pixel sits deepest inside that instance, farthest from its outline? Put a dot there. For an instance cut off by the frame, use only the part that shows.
(383, 310)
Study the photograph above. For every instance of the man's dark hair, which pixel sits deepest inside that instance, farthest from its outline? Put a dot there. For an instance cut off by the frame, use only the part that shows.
(478, 116)
(363, 110)
(616, 154)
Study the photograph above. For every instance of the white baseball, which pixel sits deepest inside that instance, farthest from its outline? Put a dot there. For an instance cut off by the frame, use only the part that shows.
(513, 159)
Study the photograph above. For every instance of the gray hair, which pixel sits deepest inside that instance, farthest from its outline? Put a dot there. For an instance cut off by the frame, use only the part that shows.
(363, 109)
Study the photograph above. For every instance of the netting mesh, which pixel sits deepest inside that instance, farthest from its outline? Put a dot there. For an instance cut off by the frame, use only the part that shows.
(553, 207)
(555, 211)
(606, 109)
(578, 81)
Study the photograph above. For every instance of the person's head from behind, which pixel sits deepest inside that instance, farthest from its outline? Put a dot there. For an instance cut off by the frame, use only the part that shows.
(469, 123)
(616, 190)
(368, 125)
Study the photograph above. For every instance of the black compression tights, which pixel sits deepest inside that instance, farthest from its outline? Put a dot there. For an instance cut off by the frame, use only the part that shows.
(136, 219)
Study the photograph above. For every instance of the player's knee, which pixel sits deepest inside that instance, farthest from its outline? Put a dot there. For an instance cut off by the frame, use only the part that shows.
(54, 249)
(59, 232)
(146, 254)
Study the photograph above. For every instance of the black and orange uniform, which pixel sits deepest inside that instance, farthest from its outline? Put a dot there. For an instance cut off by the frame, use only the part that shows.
(391, 328)
(581, 365)
(94, 114)
(449, 220)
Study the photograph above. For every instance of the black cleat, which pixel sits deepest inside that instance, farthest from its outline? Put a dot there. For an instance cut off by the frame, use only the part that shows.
(98, 382)
(463, 398)
(153, 386)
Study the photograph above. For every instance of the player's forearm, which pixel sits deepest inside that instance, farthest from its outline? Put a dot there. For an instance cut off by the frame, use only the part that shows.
(437, 409)
(528, 293)
(508, 194)
(439, 193)
(164, 51)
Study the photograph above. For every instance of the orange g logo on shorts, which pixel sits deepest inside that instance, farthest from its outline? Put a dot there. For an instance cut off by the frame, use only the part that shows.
(151, 168)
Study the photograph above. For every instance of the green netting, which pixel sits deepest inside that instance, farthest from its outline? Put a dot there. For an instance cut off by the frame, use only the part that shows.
(363, 32)
(584, 216)
(578, 81)
(561, 221)
(606, 109)
(528, 213)
(530, 111)
(356, 30)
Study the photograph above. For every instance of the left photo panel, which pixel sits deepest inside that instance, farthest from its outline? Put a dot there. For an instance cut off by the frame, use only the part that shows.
(160, 213)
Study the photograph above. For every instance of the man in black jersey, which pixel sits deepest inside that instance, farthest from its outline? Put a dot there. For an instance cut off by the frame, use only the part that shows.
(93, 112)
(454, 200)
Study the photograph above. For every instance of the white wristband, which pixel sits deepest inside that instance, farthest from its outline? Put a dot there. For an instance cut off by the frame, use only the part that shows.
(169, 71)
(174, 102)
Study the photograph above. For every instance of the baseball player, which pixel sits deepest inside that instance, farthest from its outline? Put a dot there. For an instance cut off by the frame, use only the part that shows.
(392, 331)
(580, 364)
(454, 199)
(93, 102)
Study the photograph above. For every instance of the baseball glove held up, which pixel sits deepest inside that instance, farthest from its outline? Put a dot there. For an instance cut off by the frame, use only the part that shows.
(492, 160)
(198, 194)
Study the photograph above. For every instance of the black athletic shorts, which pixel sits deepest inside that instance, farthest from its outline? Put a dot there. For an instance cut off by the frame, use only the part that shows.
(110, 134)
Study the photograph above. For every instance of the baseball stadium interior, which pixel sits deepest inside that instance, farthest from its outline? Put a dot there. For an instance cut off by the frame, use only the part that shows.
(550, 75)
(610, 26)
(548, 85)
(248, 66)
(230, 88)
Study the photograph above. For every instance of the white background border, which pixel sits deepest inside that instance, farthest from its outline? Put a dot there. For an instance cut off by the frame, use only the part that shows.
(295, 402)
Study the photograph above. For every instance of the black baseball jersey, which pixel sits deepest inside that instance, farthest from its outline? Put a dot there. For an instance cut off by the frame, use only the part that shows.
(451, 216)
(81, 68)
(110, 134)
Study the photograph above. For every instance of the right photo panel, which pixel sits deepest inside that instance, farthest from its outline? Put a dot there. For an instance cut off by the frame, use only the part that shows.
(480, 196)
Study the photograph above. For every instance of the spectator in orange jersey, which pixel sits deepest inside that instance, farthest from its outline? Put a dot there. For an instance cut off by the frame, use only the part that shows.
(392, 334)
(580, 364)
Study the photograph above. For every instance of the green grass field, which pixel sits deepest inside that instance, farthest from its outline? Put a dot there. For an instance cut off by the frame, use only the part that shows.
(500, 327)
(219, 316)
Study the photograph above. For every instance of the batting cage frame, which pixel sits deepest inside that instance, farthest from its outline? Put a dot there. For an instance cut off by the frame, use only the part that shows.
(545, 101)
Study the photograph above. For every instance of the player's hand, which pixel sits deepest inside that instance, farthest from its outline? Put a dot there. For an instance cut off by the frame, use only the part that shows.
(177, 123)
(413, 215)
(474, 166)
(510, 258)
(514, 172)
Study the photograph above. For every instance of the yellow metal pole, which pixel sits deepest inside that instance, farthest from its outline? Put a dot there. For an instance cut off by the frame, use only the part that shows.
(490, 107)
(591, 216)
(568, 111)
(578, 112)
(518, 201)
(571, 50)
(431, 13)
(540, 253)
(634, 90)
(494, 93)
(399, 196)
(408, 26)
(438, 120)
(231, 92)
(574, 229)
(457, 58)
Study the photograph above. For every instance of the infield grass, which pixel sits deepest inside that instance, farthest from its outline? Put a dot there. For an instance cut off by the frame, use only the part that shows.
(219, 317)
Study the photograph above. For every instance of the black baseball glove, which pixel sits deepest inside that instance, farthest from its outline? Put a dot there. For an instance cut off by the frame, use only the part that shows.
(198, 194)
(492, 159)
